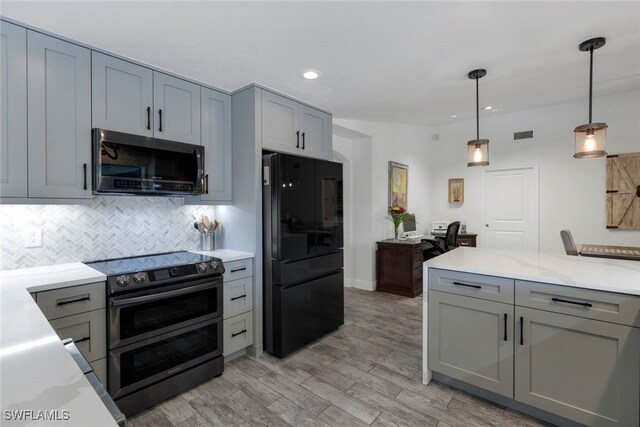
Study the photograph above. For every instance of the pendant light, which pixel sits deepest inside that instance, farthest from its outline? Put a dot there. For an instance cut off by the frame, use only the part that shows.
(591, 139)
(478, 149)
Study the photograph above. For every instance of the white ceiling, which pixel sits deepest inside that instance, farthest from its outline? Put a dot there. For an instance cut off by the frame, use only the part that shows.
(403, 62)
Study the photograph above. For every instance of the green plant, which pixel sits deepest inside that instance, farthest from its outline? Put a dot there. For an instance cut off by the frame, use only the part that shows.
(397, 215)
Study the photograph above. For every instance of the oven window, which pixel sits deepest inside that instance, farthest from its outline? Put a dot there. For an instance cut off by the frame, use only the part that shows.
(144, 362)
(143, 318)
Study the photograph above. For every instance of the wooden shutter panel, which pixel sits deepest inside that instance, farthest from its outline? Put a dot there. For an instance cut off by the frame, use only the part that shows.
(623, 191)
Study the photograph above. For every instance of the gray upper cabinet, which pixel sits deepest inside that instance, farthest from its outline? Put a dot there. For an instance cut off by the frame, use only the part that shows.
(177, 109)
(13, 110)
(291, 127)
(216, 138)
(59, 111)
(581, 369)
(122, 95)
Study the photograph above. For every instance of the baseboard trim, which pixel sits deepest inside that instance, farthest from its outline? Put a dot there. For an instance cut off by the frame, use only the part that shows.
(360, 284)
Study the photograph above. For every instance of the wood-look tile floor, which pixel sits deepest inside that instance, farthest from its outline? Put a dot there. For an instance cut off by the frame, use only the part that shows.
(368, 372)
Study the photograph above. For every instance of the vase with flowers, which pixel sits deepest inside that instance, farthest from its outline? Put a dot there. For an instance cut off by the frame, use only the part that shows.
(397, 215)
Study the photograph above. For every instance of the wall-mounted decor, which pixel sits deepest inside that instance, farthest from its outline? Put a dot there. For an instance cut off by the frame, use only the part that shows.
(623, 191)
(398, 179)
(456, 190)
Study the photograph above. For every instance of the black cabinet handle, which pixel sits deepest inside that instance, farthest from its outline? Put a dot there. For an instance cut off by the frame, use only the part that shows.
(298, 139)
(160, 117)
(84, 171)
(82, 339)
(206, 178)
(241, 296)
(469, 286)
(148, 118)
(584, 304)
(521, 330)
(73, 300)
(505, 326)
(244, 331)
(303, 140)
(239, 269)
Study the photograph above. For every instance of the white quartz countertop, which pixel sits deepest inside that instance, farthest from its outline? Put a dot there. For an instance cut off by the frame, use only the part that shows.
(601, 274)
(36, 371)
(226, 255)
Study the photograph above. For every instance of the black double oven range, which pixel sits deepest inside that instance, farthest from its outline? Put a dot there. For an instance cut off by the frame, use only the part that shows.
(164, 317)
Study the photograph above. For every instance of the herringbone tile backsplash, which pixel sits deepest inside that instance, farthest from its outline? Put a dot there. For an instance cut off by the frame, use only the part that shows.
(109, 227)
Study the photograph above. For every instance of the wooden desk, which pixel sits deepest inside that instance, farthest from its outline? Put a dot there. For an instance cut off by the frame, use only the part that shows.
(464, 239)
(614, 252)
(399, 267)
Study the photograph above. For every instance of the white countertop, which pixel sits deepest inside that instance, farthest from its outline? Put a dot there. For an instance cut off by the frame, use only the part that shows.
(601, 274)
(36, 371)
(226, 255)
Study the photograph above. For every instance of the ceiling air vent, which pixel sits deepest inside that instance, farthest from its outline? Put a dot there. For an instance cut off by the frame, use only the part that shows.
(522, 135)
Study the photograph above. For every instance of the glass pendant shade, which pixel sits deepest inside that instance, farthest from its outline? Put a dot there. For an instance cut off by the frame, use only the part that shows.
(478, 152)
(591, 141)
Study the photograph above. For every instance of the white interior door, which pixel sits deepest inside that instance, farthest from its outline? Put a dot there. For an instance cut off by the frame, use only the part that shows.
(510, 198)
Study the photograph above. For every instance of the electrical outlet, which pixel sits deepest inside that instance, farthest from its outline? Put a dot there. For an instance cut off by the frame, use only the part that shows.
(33, 238)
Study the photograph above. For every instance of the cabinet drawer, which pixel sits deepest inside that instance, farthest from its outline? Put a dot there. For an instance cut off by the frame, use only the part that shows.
(238, 269)
(490, 288)
(238, 297)
(605, 306)
(88, 330)
(100, 369)
(238, 332)
(68, 301)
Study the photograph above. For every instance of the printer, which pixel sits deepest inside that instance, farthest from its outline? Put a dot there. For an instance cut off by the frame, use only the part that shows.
(439, 228)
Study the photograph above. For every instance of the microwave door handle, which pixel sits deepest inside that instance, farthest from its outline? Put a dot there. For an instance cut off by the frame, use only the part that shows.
(161, 296)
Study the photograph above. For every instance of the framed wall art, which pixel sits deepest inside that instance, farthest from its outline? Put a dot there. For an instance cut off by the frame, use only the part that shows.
(456, 190)
(398, 180)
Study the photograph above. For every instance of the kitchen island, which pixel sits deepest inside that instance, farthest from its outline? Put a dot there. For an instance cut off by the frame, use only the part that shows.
(554, 336)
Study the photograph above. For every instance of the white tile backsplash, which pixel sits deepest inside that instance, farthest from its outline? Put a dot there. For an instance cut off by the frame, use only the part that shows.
(108, 227)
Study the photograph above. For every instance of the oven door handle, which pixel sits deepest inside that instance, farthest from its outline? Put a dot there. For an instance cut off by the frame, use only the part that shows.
(163, 295)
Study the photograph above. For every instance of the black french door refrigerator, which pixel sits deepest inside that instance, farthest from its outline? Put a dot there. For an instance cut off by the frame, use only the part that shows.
(303, 240)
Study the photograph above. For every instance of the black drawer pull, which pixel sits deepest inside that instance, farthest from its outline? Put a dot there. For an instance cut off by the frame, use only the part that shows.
(297, 139)
(505, 326)
(469, 286)
(82, 339)
(521, 330)
(160, 120)
(303, 140)
(206, 179)
(73, 300)
(148, 118)
(244, 331)
(84, 171)
(239, 269)
(241, 296)
(584, 304)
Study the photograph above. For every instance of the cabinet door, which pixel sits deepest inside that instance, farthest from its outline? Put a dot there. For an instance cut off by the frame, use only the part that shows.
(471, 340)
(59, 108)
(280, 130)
(216, 138)
(581, 369)
(316, 133)
(122, 95)
(13, 111)
(88, 330)
(177, 109)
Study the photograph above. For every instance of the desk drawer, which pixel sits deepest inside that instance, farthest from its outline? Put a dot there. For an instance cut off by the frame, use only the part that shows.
(490, 288)
(88, 330)
(238, 269)
(73, 300)
(238, 297)
(587, 303)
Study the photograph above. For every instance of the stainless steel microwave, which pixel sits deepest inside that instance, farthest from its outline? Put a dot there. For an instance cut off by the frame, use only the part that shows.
(139, 165)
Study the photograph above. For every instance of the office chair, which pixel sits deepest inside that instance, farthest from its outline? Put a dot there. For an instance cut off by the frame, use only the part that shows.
(569, 245)
(440, 245)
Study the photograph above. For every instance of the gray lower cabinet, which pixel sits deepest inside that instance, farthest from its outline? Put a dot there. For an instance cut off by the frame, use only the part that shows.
(581, 369)
(216, 138)
(177, 109)
(471, 340)
(59, 111)
(88, 331)
(121, 95)
(13, 110)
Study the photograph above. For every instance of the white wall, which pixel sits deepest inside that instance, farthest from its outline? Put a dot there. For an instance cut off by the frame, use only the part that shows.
(572, 192)
(371, 147)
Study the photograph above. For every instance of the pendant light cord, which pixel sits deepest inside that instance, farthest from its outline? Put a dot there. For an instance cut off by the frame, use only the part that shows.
(590, 80)
(478, 110)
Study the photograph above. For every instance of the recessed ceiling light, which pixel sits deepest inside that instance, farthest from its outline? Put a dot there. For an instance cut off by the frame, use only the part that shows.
(454, 116)
(310, 75)
(488, 107)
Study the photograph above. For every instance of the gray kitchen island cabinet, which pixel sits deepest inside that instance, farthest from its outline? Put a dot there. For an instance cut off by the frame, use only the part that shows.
(570, 352)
